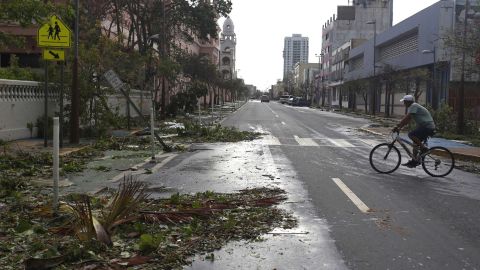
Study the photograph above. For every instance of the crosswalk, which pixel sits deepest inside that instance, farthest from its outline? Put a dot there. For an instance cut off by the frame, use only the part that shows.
(316, 142)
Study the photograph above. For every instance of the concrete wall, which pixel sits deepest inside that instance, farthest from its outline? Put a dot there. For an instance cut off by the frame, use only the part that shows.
(22, 102)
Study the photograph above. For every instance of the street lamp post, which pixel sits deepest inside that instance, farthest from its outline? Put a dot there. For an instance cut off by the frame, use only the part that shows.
(320, 56)
(374, 92)
(461, 92)
(434, 83)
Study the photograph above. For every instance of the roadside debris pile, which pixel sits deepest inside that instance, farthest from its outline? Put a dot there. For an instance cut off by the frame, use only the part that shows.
(19, 165)
(125, 228)
(193, 132)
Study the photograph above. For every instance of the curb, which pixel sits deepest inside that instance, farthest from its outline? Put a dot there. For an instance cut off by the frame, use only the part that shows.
(371, 132)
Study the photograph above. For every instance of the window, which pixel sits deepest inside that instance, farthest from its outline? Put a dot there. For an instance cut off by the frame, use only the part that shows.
(400, 47)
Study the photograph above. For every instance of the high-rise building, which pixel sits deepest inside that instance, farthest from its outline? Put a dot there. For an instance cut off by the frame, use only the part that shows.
(295, 50)
(228, 43)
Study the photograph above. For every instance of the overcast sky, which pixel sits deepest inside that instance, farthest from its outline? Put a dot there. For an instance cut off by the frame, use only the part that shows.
(262, 25)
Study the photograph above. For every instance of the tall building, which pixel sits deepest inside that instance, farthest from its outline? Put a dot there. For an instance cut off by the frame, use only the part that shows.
(228, 43)
(353, 24)
(295, 50)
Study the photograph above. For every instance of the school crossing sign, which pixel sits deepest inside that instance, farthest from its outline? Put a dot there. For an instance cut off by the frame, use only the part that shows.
(54, 34)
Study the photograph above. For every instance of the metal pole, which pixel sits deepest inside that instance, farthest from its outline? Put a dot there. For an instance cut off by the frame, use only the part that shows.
(374, 95)
(434, 85)
(152, 131)
(45, 118)
(61, 103)
(128, 110)
(461, 94)
(75, 100)
(56, 161)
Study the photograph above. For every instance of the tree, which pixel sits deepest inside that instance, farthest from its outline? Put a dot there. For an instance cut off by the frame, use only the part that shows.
(168, 21)
(25, 13)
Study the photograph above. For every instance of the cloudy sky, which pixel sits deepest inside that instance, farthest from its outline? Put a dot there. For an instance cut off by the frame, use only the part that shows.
(262, 25)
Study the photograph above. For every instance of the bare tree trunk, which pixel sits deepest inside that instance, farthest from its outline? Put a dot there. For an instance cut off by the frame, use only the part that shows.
(365, 98)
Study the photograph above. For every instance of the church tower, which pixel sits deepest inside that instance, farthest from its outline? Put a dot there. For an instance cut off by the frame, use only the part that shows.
(228, 42)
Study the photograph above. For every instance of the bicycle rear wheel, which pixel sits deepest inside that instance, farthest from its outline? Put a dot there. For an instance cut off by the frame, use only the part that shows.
(438, 161)
(385, 158)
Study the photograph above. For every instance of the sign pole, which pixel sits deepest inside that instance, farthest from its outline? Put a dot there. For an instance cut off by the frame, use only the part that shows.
(56, 162)
(61, 103)
(45, 118)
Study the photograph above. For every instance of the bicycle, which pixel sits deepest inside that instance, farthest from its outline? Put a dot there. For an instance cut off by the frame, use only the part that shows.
(385, 158)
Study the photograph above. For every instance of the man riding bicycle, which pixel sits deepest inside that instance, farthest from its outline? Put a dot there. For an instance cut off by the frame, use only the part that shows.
(425, 127)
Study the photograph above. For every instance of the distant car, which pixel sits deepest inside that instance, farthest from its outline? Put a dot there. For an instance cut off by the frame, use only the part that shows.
(290, 100)
(300, 101)
(264, 98)
(285, 98)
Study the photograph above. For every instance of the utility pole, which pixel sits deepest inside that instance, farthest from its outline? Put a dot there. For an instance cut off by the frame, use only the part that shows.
(461, 92)
(374, 90)
(75, 99)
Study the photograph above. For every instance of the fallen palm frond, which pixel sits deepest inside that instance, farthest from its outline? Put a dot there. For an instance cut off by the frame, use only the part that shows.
(86, 226)
(125, 202)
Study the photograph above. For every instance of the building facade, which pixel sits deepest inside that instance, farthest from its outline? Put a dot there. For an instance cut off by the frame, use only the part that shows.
(412, 58)
(362, 20)
(295, 51)
(228, 44)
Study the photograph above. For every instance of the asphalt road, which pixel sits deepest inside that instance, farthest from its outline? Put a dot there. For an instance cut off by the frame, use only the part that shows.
(406, 220)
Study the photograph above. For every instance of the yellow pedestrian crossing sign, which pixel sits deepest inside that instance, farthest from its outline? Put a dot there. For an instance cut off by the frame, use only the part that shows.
(54, 34)
(53, 55)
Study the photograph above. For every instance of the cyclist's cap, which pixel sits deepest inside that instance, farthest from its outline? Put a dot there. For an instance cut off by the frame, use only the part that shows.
(407, 98)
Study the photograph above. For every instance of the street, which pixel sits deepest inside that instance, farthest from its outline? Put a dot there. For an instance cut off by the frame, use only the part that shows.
(349, 216)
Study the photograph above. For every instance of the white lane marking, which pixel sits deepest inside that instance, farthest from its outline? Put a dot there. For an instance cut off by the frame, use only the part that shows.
(305, 141)
(283, 123)
(340, 142)
(360, 205)
(270, 140)
(272, 110)
(161, 164)
(369, 142)
(139, 170)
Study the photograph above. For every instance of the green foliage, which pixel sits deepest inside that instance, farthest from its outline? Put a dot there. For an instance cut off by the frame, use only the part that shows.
(15, 72)
(216, 133)
(175, 198)
(444, 118)
(40, 127)
(73, 166)
(26, 13)
(149, 243)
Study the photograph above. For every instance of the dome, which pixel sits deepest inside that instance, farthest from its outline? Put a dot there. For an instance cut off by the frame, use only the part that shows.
(228, 27)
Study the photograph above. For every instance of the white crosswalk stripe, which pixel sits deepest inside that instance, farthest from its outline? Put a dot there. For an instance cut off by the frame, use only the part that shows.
(305, 141)
(340, 142)
(315, 142)
(369, 142)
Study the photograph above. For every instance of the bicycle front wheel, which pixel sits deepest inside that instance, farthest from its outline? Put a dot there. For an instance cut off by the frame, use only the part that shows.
(438, 161)
(385, 158)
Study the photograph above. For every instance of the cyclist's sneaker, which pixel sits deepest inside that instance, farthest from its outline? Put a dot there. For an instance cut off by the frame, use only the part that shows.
(411, 164)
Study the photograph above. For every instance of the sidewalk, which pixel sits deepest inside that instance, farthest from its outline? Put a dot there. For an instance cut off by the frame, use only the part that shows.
(460, 150)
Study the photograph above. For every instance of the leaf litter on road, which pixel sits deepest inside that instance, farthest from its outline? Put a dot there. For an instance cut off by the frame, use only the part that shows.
(124, 227)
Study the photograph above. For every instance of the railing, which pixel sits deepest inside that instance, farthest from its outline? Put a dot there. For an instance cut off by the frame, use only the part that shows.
(12, 90)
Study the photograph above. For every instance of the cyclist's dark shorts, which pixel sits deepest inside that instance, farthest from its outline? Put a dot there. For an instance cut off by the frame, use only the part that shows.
(422, 133)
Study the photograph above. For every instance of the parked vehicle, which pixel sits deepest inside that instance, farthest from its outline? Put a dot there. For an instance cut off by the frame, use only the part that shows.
(285, 98)
(300, 101)
(264, 98)
(290, 100)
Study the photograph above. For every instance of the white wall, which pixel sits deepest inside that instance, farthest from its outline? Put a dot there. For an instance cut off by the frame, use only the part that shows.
(22, 102)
